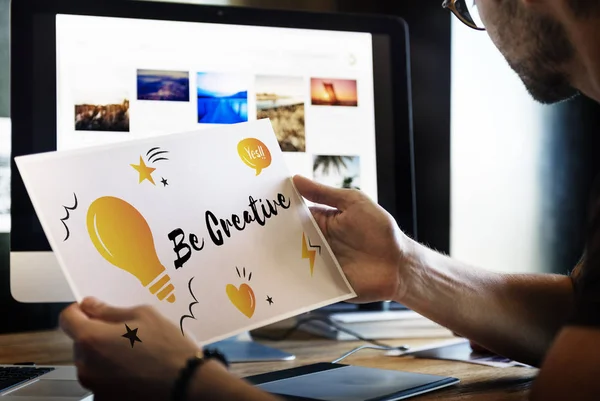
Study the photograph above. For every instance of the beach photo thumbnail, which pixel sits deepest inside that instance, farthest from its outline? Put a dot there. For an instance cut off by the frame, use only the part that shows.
(102, 116)
(337, 171)
(163, 85)
(333, 92)
(281, 99)
(222, 98)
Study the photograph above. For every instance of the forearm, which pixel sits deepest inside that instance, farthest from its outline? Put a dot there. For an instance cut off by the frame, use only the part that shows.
(515, 315)
(212, 382)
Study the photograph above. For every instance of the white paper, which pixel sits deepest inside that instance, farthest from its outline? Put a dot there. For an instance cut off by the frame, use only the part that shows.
(114, 224)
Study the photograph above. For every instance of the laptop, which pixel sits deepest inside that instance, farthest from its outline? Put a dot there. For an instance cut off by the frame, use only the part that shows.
(47, 383)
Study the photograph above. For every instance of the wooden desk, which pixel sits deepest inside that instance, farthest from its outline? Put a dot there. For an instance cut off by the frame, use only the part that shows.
(477, 382)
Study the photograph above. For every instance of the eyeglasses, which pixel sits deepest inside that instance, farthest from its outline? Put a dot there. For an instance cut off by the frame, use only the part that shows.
(466, 11)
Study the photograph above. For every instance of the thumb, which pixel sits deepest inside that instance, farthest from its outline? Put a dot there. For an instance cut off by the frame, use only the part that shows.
(97, 309)
(323, 194)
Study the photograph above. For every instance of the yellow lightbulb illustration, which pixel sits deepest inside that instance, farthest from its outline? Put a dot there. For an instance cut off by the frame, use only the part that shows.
(123, 237)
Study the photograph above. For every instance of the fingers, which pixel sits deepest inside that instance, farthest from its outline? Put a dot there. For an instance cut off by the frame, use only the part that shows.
(78, 354)
(322, 216)
(323, 211)
(73, 320)
(478, 348)
(97, 309)
(323, 194)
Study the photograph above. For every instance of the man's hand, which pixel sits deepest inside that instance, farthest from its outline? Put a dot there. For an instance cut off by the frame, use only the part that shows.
(106, 362)
(364, 237)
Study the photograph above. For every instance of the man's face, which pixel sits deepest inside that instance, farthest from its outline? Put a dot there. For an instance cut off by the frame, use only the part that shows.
(536, 47)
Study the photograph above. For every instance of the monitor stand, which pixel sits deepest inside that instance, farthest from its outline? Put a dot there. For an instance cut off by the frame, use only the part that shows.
(243, 348)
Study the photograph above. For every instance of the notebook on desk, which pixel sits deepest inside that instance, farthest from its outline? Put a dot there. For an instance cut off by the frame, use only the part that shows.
(337, 382)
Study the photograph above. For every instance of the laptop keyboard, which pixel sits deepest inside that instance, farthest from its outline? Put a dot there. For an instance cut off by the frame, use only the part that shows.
(13, 375)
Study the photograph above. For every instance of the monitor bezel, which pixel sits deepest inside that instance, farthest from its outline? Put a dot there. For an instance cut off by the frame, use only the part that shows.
(397, 170)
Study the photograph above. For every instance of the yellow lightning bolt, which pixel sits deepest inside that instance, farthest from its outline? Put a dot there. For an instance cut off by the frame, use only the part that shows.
(308, 254)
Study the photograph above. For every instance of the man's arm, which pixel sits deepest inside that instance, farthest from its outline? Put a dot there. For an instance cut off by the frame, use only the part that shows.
(571, 368)
(515, 315)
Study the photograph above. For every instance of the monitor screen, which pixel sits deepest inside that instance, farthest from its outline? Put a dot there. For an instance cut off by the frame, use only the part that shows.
(335, 87)
(121, 78)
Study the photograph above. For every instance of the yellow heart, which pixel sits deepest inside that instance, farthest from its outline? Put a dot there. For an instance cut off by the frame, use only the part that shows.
(243, 299)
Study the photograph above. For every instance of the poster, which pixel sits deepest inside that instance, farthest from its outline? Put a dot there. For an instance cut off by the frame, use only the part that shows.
(206, 226)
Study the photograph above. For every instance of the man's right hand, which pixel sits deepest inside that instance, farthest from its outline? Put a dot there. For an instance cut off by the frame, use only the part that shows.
(366, 240)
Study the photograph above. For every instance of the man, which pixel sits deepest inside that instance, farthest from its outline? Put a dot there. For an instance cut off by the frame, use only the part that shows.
(550, 321)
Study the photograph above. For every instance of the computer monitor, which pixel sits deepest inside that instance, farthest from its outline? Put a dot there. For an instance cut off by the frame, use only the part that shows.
(336, 88)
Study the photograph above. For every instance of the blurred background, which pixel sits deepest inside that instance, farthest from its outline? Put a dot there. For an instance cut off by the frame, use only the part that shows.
(502, 182)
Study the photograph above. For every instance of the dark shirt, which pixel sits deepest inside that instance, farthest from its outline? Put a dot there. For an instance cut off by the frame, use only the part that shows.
(586, 275)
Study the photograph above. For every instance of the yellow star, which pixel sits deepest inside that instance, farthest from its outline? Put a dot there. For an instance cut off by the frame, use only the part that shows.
(145, 171)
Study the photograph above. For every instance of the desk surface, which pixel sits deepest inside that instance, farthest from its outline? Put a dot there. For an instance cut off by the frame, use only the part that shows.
(477, 382)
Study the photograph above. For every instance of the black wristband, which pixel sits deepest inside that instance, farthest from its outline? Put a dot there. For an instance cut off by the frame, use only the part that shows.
(182, 383)
(213, 353)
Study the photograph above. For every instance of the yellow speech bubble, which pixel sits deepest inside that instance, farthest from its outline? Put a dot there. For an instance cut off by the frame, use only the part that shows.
(254, 154)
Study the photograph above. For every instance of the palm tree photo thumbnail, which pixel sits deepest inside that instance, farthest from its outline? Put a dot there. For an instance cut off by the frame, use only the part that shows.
(337, 171)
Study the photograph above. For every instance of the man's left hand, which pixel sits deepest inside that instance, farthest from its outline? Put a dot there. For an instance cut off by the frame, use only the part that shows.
(108, 364)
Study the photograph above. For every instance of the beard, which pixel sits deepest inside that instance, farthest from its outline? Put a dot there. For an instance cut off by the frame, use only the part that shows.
(546, 51)
(546, 87)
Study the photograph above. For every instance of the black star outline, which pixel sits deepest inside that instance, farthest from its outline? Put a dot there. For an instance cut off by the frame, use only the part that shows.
(270, 300)
(164, 182)
(131, 335)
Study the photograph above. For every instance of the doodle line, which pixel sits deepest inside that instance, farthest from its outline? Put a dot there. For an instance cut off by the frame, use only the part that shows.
(240, 276)
(153, 155)
(156, 154)
(67, 208)
(150, 151)
(314, 246)
(191, 315)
